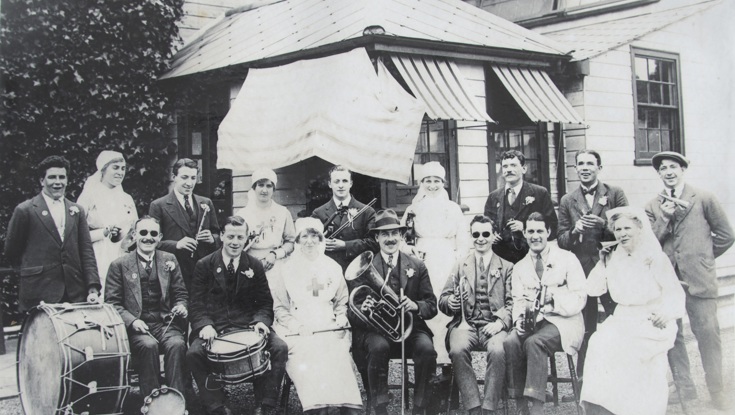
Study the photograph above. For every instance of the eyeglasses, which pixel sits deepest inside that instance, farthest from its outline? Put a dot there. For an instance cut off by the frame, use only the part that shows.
(485, 234)
(145, 232)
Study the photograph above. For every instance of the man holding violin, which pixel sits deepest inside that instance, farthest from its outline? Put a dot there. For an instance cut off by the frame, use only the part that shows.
(147, 290)
(230, 292)
(341, 209)
(693, 230)
(548, 289)
(478, 295)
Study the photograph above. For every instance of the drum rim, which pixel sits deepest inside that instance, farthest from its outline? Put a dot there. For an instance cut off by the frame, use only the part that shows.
(260, 345)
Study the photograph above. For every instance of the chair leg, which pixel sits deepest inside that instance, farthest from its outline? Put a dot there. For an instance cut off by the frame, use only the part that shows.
(554, 379)
(285, 394)
(575, 382)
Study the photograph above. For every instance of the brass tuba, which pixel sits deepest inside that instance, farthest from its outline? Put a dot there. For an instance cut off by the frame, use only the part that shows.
(364, 280)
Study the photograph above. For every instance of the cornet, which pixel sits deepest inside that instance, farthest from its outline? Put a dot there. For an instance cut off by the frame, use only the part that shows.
(463, 324)
(680, 202)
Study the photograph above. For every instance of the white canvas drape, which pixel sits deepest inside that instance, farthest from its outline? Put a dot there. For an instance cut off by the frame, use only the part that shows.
(336, 108)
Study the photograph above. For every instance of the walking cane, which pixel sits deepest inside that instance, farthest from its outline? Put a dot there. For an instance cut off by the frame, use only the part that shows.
(403, 358)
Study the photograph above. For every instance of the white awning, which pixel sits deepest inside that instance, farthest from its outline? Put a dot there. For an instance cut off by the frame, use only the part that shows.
(440, 85)
(537, 95)
(336, 108)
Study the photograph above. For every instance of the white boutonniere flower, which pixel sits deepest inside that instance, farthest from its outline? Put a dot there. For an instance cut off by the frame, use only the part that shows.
(603, 201)
(45, 213)
(410, 272)
(495, 273)
(204, 207)
(529, 200)
(218, 270)
(73, 210)
(170, 266)
(549, 267)
(497, 205)
(249, 273)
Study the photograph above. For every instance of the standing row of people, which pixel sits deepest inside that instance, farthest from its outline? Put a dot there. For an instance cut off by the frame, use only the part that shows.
(491, 295)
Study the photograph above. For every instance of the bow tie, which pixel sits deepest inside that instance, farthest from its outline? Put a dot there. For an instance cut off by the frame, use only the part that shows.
(586, 192)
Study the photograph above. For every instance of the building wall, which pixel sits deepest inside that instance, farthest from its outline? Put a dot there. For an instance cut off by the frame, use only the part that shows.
(606, 103)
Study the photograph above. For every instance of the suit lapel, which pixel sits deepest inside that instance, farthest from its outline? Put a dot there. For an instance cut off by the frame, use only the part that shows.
(688, 195)
(163, 277)
(501, 210)
(470, 271)
(402, 268)
(39, 205)
(219, 270)
(197, 205)
(69, 219)
(130, 273)
(493, 277)
(580, 201)
(601, 192)
(174, 209)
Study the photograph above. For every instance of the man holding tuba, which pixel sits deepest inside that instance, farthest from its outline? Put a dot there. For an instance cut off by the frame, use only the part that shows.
(390, 273)
(478, 295)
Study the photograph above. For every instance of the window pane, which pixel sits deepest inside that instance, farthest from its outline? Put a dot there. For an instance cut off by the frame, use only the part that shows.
(422, 146)
(667, 69)
(640, 140)
(664, 120)
(653, 119)
(641, 69)
(530, 149)
(654, 140)
(654, 72)
(642, 91)
(655, 93)
(642, 118)
(665, 140)
(437, 143)
(666, 89)
(515, 140)
(532, 174)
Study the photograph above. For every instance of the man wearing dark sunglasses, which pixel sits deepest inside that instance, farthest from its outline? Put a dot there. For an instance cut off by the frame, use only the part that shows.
(477, 294)
(147, 290)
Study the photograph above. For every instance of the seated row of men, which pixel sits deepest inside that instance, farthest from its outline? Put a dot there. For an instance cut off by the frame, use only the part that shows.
(230, 292)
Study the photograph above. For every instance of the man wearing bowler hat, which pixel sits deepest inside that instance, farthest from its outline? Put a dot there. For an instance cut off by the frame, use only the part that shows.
(401, 272)
(693, 230)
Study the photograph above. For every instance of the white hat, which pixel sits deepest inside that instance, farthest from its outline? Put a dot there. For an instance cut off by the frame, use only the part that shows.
(309, 223)
(432, 169)
(261, 174)
(107, 156)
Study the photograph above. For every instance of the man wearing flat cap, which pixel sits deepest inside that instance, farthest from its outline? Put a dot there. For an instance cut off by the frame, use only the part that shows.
(371, 348)
(693, 230)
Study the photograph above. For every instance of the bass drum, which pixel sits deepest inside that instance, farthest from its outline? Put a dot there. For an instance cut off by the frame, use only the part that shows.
(73, 359)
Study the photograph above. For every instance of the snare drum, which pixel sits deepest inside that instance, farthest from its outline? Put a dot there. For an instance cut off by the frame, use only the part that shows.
(73, 359)
(164, 401)
(238, 356)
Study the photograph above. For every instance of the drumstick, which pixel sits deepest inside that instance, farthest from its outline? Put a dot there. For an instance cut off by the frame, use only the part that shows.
(171, 320)
(321, 331)
(232, 341)
(149, 333)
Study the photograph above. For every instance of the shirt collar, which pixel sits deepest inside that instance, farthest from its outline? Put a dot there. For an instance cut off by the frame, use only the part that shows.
(678, 190)
(149, 259)
(180, 198)
(516, 188)
(544, 254)
(594, 185)
(50, 201)
(345, 202)
(486, 257)
(226, 258)
(385, 258)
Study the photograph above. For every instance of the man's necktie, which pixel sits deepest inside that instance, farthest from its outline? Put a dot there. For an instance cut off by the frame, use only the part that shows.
(146, 263)
(187, 206)
(482, 265)
(511, 196)
(231, 268)
(591, 191)
(539, 266)
(672, 192)
(390, 264)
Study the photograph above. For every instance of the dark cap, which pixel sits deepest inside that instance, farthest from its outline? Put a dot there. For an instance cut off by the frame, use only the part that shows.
(671, 155)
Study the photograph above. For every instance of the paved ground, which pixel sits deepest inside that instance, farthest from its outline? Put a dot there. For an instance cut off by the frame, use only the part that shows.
(241, 395)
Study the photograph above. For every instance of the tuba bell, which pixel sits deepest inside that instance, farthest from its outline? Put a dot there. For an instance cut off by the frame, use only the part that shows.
(364, 280)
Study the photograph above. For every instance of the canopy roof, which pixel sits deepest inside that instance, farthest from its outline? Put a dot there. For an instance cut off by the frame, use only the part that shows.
(253, 36)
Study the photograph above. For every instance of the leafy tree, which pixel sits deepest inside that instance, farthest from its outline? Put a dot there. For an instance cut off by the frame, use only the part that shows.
(78, 77)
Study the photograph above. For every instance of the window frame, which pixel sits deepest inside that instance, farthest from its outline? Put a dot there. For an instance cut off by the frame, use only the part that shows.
(677, 144)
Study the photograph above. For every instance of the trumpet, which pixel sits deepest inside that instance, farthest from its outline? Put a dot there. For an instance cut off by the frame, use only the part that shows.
(385, 316)
(680, 202)
(530, 316)
(463, 324)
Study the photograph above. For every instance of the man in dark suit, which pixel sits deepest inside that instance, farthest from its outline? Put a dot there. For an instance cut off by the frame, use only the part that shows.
(510, 206)
(582, 226)
(407, 273)
(180, 214)
(354, 239)
(693, 230)
(230, 292)
(147, 290)
(477, 295)
(48, 237)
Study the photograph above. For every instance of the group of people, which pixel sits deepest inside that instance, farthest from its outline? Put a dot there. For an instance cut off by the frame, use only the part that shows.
(180, 282)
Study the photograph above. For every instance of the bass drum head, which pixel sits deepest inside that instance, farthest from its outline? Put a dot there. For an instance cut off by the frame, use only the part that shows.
(164, 401)
(40, 365)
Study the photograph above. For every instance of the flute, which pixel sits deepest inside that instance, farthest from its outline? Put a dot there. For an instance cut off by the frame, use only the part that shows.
(205, 208)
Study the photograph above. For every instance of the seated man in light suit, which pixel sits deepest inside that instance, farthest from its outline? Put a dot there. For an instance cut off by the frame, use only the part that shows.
(477, 294)
(559, 325)
(147, 290)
